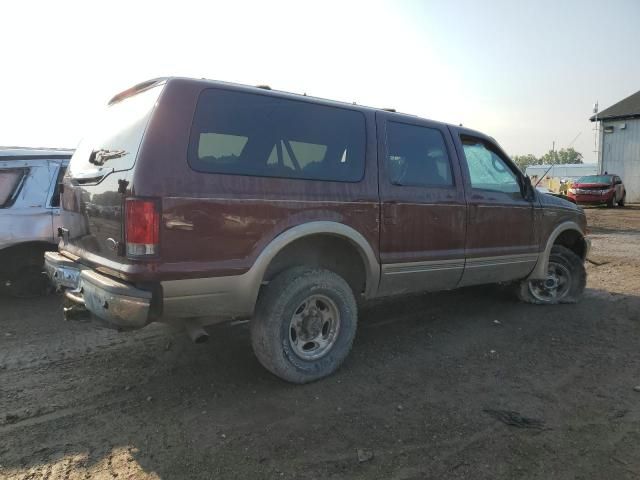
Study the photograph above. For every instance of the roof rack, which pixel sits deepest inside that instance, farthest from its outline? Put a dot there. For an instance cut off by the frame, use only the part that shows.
(389, 109)
(264, 87)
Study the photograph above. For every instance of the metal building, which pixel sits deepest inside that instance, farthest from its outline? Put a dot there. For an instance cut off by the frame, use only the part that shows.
(619, 150)
(562, 170)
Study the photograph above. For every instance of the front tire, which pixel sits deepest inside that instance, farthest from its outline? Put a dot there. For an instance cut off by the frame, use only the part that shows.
(305, 324)
(621, 203)
(565, 282)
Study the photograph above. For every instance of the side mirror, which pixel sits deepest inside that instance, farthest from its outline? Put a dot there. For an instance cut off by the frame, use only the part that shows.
(618, 182)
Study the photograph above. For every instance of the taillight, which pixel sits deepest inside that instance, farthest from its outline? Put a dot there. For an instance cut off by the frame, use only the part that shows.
(142, 227)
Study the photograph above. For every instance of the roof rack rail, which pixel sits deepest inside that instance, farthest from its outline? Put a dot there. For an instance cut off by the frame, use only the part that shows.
(389, 109)
(264, 87)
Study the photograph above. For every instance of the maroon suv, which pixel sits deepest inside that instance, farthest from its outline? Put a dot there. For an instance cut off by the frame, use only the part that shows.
(598, 189)
(198, 201)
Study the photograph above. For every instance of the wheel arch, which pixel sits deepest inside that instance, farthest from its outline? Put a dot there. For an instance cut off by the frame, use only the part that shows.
(12, 256)
(568, 234)
(273, 259)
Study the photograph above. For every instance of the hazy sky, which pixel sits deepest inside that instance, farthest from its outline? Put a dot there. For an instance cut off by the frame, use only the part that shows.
(526, 73)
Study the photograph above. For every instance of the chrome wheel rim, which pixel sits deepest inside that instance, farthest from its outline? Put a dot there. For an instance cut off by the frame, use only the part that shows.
(554, 287)
(314, 327)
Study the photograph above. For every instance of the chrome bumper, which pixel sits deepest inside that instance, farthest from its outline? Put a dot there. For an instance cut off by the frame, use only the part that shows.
(113, 301)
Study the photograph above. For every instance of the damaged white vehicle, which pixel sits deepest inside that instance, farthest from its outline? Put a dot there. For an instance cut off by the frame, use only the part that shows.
(29, 215)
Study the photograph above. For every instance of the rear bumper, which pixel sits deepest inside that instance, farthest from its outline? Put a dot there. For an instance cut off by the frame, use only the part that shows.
(117, 303)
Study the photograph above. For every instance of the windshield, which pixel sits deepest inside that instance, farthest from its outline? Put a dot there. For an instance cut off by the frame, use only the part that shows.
(112, 143)
(595, 179)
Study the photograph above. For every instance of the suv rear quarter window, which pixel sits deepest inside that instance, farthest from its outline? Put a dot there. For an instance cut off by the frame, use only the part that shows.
(261, 135)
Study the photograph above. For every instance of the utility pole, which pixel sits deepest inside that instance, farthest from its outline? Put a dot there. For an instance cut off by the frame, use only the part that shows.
(596, 131)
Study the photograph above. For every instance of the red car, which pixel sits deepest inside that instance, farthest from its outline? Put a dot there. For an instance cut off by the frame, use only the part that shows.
(598, 189)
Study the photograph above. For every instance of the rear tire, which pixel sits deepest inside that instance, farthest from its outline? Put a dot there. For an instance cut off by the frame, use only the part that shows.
(305, 324)
(565, 282)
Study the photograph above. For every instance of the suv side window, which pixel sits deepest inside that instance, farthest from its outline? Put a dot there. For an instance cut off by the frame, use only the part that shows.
(10, 182)
(487, 169)
(417, 156)
(261, 135)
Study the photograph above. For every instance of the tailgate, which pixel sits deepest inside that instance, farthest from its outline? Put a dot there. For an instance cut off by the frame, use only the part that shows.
(98, 175)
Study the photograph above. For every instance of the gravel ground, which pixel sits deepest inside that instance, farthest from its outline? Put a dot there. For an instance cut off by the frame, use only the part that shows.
(462, 384)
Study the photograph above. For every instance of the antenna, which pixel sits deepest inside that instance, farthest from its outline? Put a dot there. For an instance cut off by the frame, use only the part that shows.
(574, 140)
(553, 157)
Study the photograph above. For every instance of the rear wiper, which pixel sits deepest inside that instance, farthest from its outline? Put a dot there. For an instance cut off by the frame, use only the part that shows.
(98, 157)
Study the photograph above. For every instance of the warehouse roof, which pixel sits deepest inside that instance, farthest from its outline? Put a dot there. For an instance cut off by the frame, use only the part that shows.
(627, 108)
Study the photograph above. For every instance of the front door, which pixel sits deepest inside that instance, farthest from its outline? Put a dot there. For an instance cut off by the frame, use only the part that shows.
(423, 211)
(500, 244)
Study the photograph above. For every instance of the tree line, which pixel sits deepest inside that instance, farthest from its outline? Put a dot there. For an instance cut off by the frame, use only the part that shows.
(552, 157)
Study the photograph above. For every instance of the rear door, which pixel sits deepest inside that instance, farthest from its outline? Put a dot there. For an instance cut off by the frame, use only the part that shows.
(500, 243)
(423, 206)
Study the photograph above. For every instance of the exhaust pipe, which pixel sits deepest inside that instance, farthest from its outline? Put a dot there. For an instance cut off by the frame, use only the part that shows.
(73, 307)
(196, 333)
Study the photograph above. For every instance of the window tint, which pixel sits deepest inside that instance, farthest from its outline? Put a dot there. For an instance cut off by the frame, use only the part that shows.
(251, 134)
(487, 170)
(417, 156)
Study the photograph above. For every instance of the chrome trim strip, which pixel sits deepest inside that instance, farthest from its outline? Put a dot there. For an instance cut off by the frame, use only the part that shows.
(439, 265)
(501, 260)
(418, 267)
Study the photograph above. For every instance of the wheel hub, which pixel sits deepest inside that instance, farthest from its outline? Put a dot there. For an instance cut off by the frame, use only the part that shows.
(551, 282)
(554, 287)
(314, 327)
(311, 325)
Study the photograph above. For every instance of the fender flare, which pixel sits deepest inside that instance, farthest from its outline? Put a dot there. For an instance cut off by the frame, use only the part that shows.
(371, 264)
(540, 270)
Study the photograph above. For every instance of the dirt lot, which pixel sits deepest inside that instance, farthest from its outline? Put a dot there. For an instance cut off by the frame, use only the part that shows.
(420, 396)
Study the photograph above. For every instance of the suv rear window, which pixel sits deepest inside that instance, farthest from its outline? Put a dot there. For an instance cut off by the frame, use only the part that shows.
(113, 141)
(261, 135)
(10, 180)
